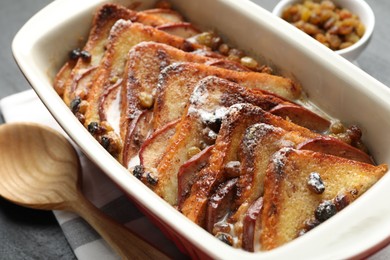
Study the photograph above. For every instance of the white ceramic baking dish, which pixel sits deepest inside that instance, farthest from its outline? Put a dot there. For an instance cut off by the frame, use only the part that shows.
(332, 83)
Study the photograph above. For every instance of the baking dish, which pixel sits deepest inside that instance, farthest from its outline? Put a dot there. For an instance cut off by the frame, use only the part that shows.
(331, 83)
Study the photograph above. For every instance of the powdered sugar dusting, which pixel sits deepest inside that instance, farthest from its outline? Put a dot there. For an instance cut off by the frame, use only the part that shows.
(255, 133)
(199, 95)
(121, 23)
(278, 159)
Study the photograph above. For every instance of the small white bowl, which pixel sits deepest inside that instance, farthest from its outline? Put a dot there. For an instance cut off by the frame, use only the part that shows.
(359, 7)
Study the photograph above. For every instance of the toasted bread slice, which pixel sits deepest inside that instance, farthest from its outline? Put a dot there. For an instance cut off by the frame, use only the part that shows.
(145, 62)
(210, 94)
(77, 76)
(178, 80)
(292, 201)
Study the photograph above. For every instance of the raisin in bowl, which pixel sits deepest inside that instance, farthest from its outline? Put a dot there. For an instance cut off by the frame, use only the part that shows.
(345, 26)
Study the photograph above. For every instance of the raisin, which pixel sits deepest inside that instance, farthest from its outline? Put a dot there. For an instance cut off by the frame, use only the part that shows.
(205, 38)
(325, 210)
(214, 122)
(152, 180)
(341, 201)
(249, 62)
(192, 151)
(85, 56)
(354, 133)
(75, 105)
(138, 171)
(146, 100)
(211, 122)
(224, 49)
(308, 225)
(315, 183)
(105, 142)
(74, 54)
(216, 41)
(94, 128)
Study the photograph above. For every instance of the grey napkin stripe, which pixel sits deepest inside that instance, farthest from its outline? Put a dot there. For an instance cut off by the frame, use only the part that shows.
(78, 232)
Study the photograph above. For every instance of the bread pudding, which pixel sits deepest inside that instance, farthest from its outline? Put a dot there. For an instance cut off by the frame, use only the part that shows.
(212, 131)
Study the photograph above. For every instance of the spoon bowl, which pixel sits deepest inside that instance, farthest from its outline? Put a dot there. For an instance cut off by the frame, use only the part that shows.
(36, 163)
(40, 169)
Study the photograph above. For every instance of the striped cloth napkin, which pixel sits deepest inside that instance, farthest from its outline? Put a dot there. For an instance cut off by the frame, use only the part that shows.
(101, 191)
(84, 241)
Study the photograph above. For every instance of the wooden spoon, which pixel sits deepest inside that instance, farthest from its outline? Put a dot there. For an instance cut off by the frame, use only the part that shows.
(40, 169)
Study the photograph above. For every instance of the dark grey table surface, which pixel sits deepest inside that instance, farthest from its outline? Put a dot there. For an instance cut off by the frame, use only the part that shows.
(32, 234)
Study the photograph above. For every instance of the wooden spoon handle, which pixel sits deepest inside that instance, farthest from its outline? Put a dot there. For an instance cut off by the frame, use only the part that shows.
(121, 239)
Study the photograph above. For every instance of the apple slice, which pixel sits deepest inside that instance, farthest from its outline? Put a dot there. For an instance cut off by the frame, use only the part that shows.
(301, 116)
(138, 130)
(227, 64)
(62, 76)
(108, 99)
(333, 146)
(181, 29)
(220, 203)
(153, 148)
(188, 172)
(251, 224)
(167, 15)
